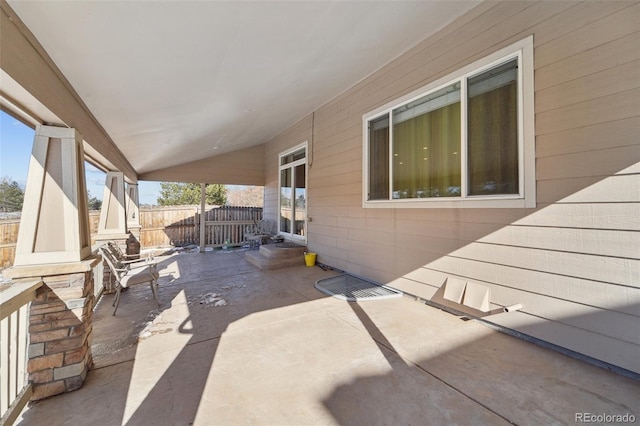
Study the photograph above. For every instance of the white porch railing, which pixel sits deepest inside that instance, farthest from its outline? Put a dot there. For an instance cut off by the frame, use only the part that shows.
(230, 233)
(98, 276)
(15, 390)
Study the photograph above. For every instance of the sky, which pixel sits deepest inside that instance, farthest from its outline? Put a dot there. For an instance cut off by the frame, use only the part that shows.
(16, 141)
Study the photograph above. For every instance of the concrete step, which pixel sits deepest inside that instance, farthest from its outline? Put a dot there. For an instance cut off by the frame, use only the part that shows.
(259, 260)
(279, 255)
(283, 251)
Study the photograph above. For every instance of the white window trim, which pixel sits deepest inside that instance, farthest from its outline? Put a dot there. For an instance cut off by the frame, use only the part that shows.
(305, 145)
(526, 136)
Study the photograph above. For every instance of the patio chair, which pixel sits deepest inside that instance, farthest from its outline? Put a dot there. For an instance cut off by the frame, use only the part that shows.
(126, 258)
(126, 276)
(134, 261)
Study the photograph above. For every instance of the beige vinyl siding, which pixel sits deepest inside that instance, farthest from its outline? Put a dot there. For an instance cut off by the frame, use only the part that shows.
(295, 135)
(573, 261)
(241, 167)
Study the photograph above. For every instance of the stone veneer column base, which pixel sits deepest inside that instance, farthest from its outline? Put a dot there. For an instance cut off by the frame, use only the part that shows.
(60, 327)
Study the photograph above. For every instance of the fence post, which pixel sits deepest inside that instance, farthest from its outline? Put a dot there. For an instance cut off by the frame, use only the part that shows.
(202, 218)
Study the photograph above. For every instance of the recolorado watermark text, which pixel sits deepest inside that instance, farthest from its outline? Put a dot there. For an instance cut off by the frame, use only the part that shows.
(604, 418)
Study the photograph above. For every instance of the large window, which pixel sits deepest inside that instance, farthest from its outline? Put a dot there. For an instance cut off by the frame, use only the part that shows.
(463, 141)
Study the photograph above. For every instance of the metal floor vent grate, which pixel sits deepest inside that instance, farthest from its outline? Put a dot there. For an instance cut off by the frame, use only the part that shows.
(350, 288)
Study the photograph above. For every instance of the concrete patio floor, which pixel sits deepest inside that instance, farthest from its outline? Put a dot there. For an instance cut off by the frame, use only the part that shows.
(281, 353)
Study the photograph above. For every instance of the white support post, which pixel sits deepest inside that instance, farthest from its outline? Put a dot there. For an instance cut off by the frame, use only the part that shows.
(133, 210)
(113, 217)
(55, 219)
(202, 216)
(54, 247)
(133, 207)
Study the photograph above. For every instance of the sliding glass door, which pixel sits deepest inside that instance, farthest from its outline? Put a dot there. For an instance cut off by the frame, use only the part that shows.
(293, 193)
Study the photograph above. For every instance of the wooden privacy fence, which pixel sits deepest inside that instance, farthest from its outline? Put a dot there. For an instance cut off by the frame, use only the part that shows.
(163, 226)
(180, 225)
(226, 226)
(8, 237)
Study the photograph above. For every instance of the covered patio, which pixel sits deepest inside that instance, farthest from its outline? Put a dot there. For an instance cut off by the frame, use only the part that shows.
(300, 98)
(277, 351)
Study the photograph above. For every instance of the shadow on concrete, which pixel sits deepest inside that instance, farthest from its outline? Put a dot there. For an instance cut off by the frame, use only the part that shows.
(189, 287)
(522, 383)
(448, 371)
(176, 396)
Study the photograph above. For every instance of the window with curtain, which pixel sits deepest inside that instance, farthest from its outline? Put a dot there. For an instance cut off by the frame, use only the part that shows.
(426, 146)
(379, 158)
(492, 131)
(459, 141)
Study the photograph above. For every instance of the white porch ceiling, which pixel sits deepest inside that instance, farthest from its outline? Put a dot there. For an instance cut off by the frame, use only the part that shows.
(173, 82)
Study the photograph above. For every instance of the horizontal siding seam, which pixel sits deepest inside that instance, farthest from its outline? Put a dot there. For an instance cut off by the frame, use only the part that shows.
(587, 55)
(587, 203)
(584, 76)
(589, 48)
(609, 95)
(589, 150)
(578, 227)
(415, 281)
(340, 143)
(585, 126)
(600, 177)
(581, 328)
(571, 227)
(539, 271)
(557, 250)
(586, 24)
(594, 202)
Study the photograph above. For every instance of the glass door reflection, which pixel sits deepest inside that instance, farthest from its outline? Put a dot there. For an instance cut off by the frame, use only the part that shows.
(285, 201)
(300, 205)
(293, 193)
